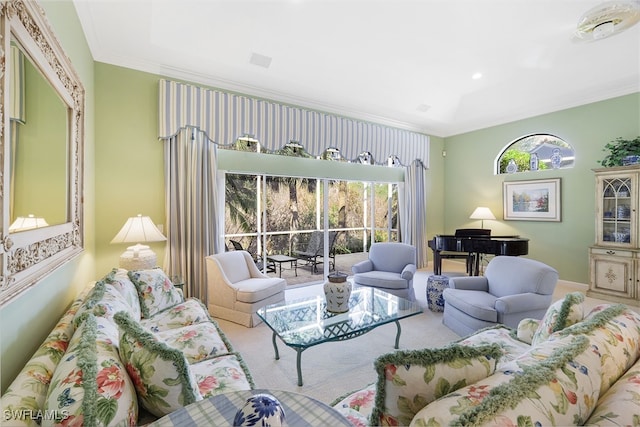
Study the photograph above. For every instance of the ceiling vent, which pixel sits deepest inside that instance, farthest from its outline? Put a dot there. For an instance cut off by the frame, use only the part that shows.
(260, 60)
(608, 19)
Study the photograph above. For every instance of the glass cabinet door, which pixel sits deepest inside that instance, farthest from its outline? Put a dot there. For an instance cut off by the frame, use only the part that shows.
(617, 210)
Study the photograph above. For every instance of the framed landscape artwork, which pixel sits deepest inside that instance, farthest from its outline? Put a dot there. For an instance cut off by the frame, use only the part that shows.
(535, 200)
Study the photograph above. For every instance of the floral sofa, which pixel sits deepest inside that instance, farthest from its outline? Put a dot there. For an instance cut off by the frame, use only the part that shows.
(130, 349)
(569, 368)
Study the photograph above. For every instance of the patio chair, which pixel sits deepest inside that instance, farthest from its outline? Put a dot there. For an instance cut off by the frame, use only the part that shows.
(314, 252)
(271, 266)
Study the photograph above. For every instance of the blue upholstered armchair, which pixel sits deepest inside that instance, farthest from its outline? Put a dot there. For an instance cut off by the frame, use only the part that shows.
(390, 267)
(512, 288)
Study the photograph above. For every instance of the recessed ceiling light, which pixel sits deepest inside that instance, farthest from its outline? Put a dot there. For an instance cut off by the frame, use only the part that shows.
(260, 60)
(476, 76)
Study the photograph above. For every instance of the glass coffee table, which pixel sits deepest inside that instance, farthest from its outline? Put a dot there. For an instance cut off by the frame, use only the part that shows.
(305, 322)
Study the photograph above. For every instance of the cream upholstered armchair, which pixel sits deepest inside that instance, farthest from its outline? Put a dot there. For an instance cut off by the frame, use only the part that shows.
(512, 288)
(390, 267)
(236, 289)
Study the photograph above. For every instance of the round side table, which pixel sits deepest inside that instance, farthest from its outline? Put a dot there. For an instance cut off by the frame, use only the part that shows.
(435, 285)
(220, 410)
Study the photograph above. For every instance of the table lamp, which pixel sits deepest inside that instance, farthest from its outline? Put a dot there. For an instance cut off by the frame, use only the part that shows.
(138, 229)
(482, 213)
(28, 222)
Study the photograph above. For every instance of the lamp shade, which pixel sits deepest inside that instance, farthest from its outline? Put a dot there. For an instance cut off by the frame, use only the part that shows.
(28, 222)
(139, 229)
(482, 213)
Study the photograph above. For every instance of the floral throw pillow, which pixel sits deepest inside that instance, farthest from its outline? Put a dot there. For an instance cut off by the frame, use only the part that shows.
(90, 385)
(160, 373)
(155, 290)
(119, 279)
(410, 380)
(104, 301)
(561, 314)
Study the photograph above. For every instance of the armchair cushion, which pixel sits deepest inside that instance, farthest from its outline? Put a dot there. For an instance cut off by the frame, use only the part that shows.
(256, 289)
(521, 302)
(235, 266)
(382, 279)
(516, 275)
(392, 257)
(480, 305)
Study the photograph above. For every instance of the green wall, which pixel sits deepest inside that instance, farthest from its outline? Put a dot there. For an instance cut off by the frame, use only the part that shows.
(470, 181)
(129, 158)
(28, 319)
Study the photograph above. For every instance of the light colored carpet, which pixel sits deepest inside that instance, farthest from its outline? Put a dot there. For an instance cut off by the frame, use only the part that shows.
(331, 370)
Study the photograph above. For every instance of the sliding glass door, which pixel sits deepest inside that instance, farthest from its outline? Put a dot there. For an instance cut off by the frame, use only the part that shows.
(269, 215)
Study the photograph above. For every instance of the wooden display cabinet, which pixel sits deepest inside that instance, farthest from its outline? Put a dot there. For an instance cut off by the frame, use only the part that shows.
(615, 257)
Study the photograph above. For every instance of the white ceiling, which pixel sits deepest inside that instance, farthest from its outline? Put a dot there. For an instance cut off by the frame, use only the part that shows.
(376, 60)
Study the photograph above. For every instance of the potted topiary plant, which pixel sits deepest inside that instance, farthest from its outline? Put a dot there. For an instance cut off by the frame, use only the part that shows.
(619, 149)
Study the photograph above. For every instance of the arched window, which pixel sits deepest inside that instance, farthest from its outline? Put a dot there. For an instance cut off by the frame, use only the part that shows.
(535, 153)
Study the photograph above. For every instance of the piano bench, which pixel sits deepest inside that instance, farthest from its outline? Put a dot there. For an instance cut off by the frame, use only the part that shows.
(435, 286)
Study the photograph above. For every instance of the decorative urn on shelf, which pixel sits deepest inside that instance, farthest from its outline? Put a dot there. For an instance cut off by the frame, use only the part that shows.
(337, 291)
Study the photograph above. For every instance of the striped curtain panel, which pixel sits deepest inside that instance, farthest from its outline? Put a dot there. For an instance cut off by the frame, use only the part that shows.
(16, 85)
(191, 207)
(413, 212)
(226, 116)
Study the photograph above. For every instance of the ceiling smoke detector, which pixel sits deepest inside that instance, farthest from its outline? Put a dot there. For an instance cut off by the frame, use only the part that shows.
(608, 19)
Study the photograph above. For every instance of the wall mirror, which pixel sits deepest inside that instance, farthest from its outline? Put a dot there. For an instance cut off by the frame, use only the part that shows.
(42, 135)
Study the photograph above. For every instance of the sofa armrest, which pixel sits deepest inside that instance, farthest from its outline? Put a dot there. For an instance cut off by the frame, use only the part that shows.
(408, 272)
(362, 266)
(521, 302)
(411, 379)
(470, 283)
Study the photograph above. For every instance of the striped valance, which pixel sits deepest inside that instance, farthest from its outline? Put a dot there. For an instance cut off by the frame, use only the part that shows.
(226, 116)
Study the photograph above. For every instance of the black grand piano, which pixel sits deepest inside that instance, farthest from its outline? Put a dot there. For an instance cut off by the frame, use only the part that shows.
(475, 245)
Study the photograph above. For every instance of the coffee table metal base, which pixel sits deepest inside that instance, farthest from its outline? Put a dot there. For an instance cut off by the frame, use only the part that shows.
(299, 350)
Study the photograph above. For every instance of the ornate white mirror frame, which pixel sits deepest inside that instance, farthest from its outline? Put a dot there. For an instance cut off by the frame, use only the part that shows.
(28, 256)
